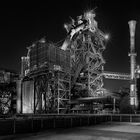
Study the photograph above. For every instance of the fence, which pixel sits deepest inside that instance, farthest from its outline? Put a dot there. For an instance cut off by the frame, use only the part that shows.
(35, 123)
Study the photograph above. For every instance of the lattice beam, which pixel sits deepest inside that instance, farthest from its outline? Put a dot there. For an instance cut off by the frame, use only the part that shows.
(115, 75)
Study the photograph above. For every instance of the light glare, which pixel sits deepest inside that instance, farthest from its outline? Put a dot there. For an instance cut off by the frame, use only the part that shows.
(106, 36)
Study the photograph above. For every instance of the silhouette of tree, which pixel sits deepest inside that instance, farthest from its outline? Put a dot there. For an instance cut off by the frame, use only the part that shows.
(124, 103)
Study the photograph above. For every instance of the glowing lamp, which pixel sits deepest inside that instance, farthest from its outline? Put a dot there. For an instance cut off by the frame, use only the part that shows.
(106, 36)
(132, 101)
(89, 15)
(65, 26)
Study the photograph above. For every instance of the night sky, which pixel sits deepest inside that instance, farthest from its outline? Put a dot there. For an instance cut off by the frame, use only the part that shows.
(23, 23)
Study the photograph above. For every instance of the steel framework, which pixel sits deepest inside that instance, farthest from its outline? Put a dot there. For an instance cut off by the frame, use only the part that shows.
(86, 47)
(116, 75)
(51, 90)
(73, 70)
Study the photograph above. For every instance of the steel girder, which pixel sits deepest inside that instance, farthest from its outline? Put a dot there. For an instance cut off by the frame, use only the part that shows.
(116, 75)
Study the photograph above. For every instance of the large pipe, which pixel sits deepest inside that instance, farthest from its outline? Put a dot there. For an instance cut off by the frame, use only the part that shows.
(132, 54)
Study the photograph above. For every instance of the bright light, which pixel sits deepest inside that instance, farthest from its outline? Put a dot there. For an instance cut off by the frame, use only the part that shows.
(106, 36)
(132, 101)
(65, 26)
(89, 14)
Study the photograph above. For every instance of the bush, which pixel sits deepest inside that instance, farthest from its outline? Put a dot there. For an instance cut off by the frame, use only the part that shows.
(125, 107)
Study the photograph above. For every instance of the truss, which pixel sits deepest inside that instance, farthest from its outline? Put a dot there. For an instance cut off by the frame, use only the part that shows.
(115, 75)
(51, 91)
(87, 63)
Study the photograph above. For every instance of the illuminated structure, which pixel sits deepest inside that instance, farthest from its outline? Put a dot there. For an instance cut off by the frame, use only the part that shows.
(132, 54)
(86, 44)
(46, 84)
(52, 76)
(57, 73)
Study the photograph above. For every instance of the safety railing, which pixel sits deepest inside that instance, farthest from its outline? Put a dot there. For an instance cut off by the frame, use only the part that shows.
(29, 123)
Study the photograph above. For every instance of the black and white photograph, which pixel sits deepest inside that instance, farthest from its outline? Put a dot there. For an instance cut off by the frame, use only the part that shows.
(70, 70)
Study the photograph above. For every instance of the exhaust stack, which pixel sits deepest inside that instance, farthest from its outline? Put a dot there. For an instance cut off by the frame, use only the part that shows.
(132, 54)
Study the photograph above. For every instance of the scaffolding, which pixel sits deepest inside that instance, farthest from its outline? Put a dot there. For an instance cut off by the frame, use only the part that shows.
(49, 71)
(52, 92)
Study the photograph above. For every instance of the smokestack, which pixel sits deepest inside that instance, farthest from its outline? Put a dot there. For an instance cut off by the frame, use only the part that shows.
(132, 54)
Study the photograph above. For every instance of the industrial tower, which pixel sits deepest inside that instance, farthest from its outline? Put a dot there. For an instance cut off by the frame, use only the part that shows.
(86, 44)
(132, 54)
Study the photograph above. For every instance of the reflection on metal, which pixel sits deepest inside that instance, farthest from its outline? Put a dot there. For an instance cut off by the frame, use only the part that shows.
(115, 75)
(28, 97)
(19, 95)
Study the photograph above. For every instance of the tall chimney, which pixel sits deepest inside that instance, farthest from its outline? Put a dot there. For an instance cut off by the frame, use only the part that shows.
(132, 54)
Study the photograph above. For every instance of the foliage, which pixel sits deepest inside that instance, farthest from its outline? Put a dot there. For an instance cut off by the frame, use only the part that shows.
(125, 107)
(124, 102)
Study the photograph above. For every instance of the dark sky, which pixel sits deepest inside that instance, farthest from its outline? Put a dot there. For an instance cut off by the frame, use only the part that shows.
(23, 23)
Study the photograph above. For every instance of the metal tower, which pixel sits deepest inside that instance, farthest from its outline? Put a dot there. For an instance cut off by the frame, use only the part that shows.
(132, 54)
(86, 44)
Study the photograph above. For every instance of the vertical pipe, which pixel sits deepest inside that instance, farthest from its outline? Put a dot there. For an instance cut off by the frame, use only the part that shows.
(114, 105)
(132, 54)
(21, 97)
(19, 92)
(58, 94)
(14, 125)
(34, 96)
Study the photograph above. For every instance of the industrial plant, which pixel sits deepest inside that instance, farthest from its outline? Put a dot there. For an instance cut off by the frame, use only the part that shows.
(68, 77)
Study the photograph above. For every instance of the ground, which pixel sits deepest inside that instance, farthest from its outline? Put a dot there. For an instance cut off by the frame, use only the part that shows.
(106, 131)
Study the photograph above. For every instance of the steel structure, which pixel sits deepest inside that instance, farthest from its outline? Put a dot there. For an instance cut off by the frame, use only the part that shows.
(69, 71)
(49, 75)
(51, 92)
(86, 44)
(116, 75)
(73, 70)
